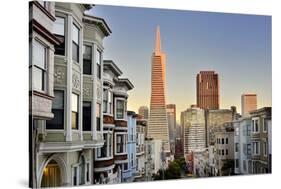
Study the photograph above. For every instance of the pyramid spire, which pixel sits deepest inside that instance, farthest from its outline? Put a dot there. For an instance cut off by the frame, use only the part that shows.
(158, 41)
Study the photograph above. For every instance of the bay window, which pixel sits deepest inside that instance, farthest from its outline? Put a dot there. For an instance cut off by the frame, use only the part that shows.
(87, 60)
(87, 118)
(74, 109)
(106, 150)
(255, 125)
(256, 148)
(98, 64)
(120, 143)
(59, 32)
(58, 110)
(75, 43)
(98, 116)
(107, 101)
(39, 69)
(120, 109)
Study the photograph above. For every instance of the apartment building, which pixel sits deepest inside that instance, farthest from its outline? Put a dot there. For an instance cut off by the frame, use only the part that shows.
(261, 140)
(71, 77)
(140, 149)
(242, 145)
(112, 158)
(129, 173)
(224, 156)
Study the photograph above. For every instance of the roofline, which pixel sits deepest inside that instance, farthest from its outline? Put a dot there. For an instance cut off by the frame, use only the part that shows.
(127, 82)
(99, 21)
(115, 68)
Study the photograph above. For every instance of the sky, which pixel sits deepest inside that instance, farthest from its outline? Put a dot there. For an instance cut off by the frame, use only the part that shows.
(236, 46)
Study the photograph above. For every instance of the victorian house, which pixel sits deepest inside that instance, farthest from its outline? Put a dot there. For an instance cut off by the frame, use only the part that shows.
(112, 158)
(66, 84)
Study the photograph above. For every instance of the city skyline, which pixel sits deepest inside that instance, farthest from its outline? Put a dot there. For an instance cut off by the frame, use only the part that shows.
(229, 44)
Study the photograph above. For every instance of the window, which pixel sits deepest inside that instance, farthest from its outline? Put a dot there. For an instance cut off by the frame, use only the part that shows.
(107, 101)
(75, 43)
(82, 171)
(236, 147)
(75, 173)
(58, 110)
(222, 140)
(226, 141)
(98, 64)
(265, 125)
(120, 143)
(132, 160)
(88, 172)
(248, 130)
(87, 60)
(265, 148)
(87, 118)
(120, 109)
(255, 125)
(222, 152)
(244, 165)
(236, 163)
(74, 109)
(226, 152)
(248, 149)
(106, 150)
(219, 140)
(98, 116)
(125, 166)
(256, 148)
(60, 34)
(39, 69)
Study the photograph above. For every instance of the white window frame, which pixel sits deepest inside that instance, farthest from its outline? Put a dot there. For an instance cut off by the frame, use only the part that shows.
(264, 123)
(107, 139)
(109, 96)
(43, 70)
(254, 147)
(254, 121)
(125, 143)
(124, 111)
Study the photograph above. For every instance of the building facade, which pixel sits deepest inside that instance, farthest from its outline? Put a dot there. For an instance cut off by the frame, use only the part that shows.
(207, 88)
(171, 116)
(242, 145)
(65, 142)
(128, 175)
(248, 103)
(193, 123)
(140, 149)
(261, 124)
(215, 118)
(111, 159)
(144, 112)
(157, 122)
(224, 156)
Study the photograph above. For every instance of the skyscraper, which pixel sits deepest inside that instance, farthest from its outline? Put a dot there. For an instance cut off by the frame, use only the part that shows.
(157, 122)
(143, 111)
(207, 83)
(171, 116)
(248, 103)
(193, 123)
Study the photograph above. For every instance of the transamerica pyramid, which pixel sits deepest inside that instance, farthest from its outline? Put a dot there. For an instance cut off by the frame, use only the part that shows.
(157, 122)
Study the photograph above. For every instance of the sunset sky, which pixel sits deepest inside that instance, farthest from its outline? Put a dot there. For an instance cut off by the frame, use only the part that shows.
(237, 47)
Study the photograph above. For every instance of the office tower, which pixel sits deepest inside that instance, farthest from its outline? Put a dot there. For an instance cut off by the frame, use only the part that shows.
(171, 116)
(207, 83)
(143, 111)
(157, 122)
(248, 103)
(193, 123)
